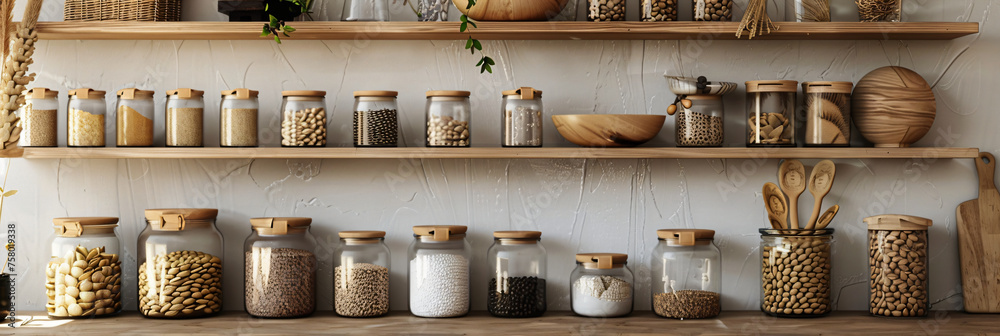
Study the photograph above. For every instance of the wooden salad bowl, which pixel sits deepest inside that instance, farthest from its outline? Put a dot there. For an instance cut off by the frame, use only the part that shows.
(512, 10)
(608, 130)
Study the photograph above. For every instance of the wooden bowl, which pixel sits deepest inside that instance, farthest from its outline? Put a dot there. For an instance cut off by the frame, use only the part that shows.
(512, 10)
(608, 130)
(893, 107)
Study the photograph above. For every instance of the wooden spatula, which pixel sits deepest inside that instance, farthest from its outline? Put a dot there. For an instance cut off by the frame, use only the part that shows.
(827, 217)
(774, 201)
(792, 178)
(820, 183)
(979, 242)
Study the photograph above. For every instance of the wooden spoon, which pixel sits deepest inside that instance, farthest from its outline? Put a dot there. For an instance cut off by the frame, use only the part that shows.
(792, 178)
(774, 201)
(827, 217)
(820, 183)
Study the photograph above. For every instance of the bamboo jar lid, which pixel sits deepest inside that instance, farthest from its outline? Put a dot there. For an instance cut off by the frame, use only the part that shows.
(133, 93)
(303, 93)
(87, 93)
(602, 260)
(446, 93)
(41, 93)
(76, 226)
(361, 234)
(280, 225)
(176, 219)
(686, 237)
(898, 223)
(440, 232)
(241, 93)
(827, 87)
(526, 93)
(517, 237)
(772, 86)
(375, 93)
(186, 93)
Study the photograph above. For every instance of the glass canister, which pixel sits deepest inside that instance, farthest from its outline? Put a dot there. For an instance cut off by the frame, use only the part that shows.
(517, 285)
(771, 113)
(687, 274)
(807, 10)
(606, 10)
(280, 268)
(85, 118)
(439, 271)
(39, 115)
(658, 10)
(448, 114)
(601, 285)
(135, 115)
(303, 118)
(238, 118)
(796, 272)
(522, 118)
(84, 276)
(713, 10)
(880, 10)
(180, 256)
(897, 258)
(375, 119)
(185, 118)
(366, 10)
(361, 274)
(828, 113)
(699, 121)
(433, 10)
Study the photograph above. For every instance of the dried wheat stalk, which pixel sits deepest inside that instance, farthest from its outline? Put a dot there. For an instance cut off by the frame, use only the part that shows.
(15, 77)
(815, 11)
(756, 20)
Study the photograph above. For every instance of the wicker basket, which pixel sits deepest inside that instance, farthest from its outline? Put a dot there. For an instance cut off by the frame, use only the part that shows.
(123, 10)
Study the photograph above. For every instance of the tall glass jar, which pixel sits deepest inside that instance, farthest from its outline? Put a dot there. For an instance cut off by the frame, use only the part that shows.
(828, 113)
(699, 121)
(518, 262)
(606, 10)
(433, 10)
(771, 113)
(135, 115)
(448, 114)
(713, 10)
(84, 276)
(795, 271)
(375, 119)
(303, 118)
(522, 118)
(658, 10)
(39, 115)
(361, 274)
(185, 118)
(807, 10)
(180, 256)
(880, 10)
(366, 10)
(602, 285)
(238, 118)
(897, 258)
(439, 271)
(85, 118)
(687, 274)
(280, 268)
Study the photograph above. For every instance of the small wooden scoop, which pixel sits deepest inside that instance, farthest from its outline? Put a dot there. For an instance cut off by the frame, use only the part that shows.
(792, 178)
(827, 217)
(820, 183)
(777, 207)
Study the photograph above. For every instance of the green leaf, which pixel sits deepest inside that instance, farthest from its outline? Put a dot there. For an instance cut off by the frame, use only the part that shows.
(277, 39)
(274, 21)
(481, 61)
(10, 193)
(469, 43)
(289, 29)
(477, 45)
(473, 23)
(464, 18)
(463, 27)
(489, 60)
(471, 3)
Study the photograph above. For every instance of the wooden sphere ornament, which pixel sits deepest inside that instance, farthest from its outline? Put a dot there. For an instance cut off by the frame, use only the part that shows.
(893, 107)
(512, 10)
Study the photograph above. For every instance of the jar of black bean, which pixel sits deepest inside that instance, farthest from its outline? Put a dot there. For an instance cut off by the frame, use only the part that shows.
(280, 268)
(375, 119)
(518, 265)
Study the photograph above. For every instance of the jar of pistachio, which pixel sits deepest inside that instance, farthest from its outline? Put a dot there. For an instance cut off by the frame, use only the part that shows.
(185, 118)
(85, 121)
(38, 118)
(84, 277)
(135, 118)
(238, 118)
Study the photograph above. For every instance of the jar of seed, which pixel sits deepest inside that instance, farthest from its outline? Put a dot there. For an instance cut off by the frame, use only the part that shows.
(771, 113)
(185, 118)
(39, 118)
(85, 118)
(180, 264)
(375, 119)
(807, 10)
(897, 258)
(135, 118)
(606, 10)
(658, 10)
(880, 10)
(687, 274)
(796, 272)
(602, 285)
(699, 120)
(303, 118)
(439, 271)
(361, 274)
(518, 265)
(522, 118)
(238, 118)
(713, 10)
(279, 264)
(828, 113)
(84, 277)
(448, 114)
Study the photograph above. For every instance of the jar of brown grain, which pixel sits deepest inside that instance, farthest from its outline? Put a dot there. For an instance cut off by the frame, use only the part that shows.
(185, 118)
(135, 118)
(238, 118)
(897, 258)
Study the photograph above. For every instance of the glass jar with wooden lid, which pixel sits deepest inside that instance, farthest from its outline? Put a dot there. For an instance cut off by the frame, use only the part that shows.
(376, 121)
(135, 114)
(897, 258)
(439, 271)
(713, 10)
(518, 266)
(238, 115)
(448, 115)
(280, 268)
(699, 120)
(303, 118)
(771, 113)
(828, 113)
(602, 285)
(85, 122)
(39, 115)
(84, 276)
(185, 118)
(521, 118)
(809, 254)
(361, 274)
(687, 274)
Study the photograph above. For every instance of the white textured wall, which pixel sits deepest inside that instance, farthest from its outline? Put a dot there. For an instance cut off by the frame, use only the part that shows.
(580, 205)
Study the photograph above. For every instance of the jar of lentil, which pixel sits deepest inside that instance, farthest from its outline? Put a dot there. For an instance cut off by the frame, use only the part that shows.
(84, 276)
(39, 115)
(185, 118)
(687, 274)
(699, 121)
(439, 271)
(713, 10)
(897, 258)
(796, 272)
(658, 10)
(448, 114)
(238, 118)
(518, 262)
(375, 119)
(601, 285)
(180, 264)
(361, 274)
(522, 118)
(135, 118)
(606, 10)
(771, 113)
(279, 268)
(85, 118)
(303, 118)
(828, 113)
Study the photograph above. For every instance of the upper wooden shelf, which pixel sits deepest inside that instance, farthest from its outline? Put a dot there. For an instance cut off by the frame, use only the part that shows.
(560, 30)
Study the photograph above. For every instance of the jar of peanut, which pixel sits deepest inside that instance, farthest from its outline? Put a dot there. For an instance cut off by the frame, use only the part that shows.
(897, 258)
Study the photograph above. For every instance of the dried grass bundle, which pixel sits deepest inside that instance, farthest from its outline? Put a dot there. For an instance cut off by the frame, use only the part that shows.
(20, 46)
(879, 10)
(756, 20)
(815, 11)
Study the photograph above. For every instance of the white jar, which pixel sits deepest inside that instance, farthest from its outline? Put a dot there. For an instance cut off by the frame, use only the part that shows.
(238, 115)
(135, 118)
(85, 118)
(39, 116)
(185, 118)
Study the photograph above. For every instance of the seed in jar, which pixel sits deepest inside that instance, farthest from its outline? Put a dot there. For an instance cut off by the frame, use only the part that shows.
(791, 294)
(713, 10)
(94, 290)
(699, 130)
(185, 127)
(658, 10)
(606, 10)
(85, 129)
(238, 127)
(447, 132)
(304, 128)
(770, 129)
(361, 290)
(375, 128)
(158, 289)
(896, 257)
(292, 295)
(516, 297)
(684, 304)
(134, 129)
(40, 128)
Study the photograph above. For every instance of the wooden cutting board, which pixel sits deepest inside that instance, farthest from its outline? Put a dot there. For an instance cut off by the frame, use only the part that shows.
(979, 242)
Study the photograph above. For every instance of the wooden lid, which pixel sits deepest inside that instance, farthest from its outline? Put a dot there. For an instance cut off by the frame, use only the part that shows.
(898, 222)
(174, 219)
(376, 93)
(773, 86)
(439, 232)
(361, 234)
(279, 225)
(517, 234)
(133, 93)
(527, 93)
(87, 93)
(75, 226)
(827, 87)
(685, 237)
(185, 93)
(445, 93)
(602, 260)
(703, 97)
(303, 93)
(241, 93)
(41, 93)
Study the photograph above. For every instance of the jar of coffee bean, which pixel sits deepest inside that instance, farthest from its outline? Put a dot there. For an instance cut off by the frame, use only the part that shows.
(375, 119)
(771, 113)
(303, 118)
(606, 10)
(687, 274)
(699, 120)
(448, 115)
(658, 10)
(517, 261)
(185, 118)
(897, 258)
(279, 268)
(84, 277)
(361, 274)
(796, 272)
(713, 10)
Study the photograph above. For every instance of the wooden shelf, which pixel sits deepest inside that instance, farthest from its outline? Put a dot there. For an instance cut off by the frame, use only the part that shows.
(503, 31)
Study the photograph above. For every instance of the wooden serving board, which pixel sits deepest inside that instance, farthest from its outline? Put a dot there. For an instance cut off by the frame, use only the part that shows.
(979, 242)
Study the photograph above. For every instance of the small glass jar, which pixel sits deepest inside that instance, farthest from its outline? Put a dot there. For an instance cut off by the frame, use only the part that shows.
(517, 285)
(828, 113)
(601, 285)
(238, 114)
(880, 10)
(366, 10)
(522, 118)
(439, 271)
(85, 118)
(375, 119)
(687, 274)
(135, 115)
(448, 114)
(713, 10)
(606, 10)
(771, 113)
(433, 10)
(658, 10)
(897, 258)
(361, 274)
(699, 121)
(39, 115)
(185, 118)
(280, 268)
(84, 276)
(303, 119)
(180, 254)
(807, 10)
(796, 272)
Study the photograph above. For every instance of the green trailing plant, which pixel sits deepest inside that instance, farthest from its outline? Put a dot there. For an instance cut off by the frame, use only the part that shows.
(282, 11)
(485, 63)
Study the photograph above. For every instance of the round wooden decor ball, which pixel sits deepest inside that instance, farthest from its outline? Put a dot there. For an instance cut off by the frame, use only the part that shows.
(893, 107)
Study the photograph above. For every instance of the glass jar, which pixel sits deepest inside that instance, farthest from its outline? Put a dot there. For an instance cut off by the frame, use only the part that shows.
(897, 258)
(880, 10)
(771, 113)
(601, 285)
(699, 121)
(687, 274)
(713, 10)
(180, 256)
(439, 271)
(522, 118)
(366, 10)
(606, 10)
(280, 268)
(85, 118)
(185, 118)
(361, 274)
(796, 272)
(828, 113)
(448, 114)
(39, 115)
(303, 119)
(135, 115)
(807, 10)
(375, 119)
(433, 10)
(84, 276)
(517, 286)
(238, 118)
(658, 10)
